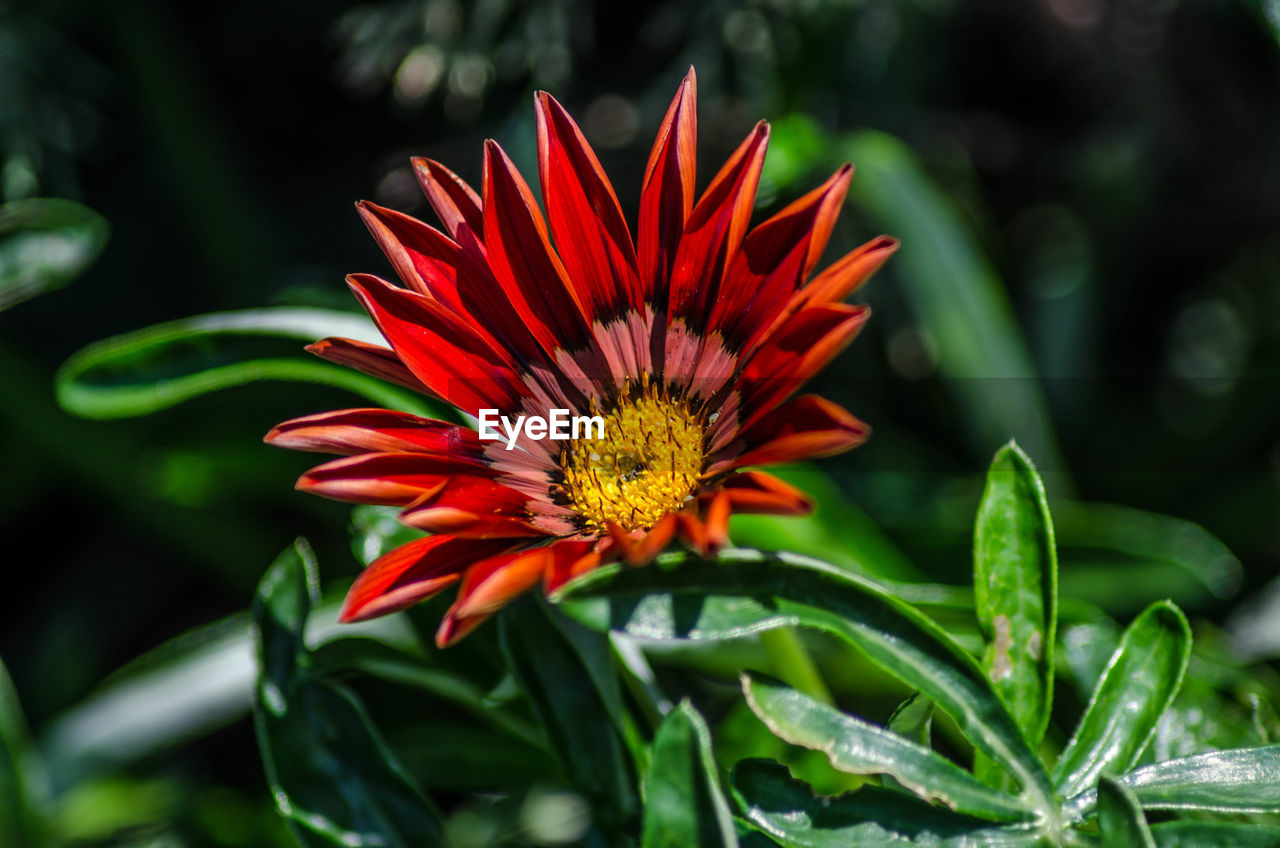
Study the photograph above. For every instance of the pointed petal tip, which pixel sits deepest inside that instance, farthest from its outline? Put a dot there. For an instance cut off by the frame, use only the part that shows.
(347, 615)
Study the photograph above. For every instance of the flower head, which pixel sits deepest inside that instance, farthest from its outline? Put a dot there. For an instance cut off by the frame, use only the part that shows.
(684, 347)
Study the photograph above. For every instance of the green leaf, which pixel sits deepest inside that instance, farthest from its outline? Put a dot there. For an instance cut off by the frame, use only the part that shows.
(746, 592)
(1244, 780)
(793, 816)
(163, 365)
(913, 719)
(1016, 588)
(958, 296)
(19, 773)
(1109, 552)
(684, 807)
(1015, 577)
(1120, 819)
(378, 659)
(1204, 834)
(573, 708)
(856, 747)
(333, 780)
(1137, 686)
(45, 243)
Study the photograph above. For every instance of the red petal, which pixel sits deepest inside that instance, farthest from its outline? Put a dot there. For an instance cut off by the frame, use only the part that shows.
(667, 194)
(354, 431)
(411, 573)
(837, 281)
(805, 428)
(570, 558)
(455, 202)
(521, 257)
(374, 360)
(590, 233)
(638, 550)
(796, 351)
(849, 272)
(473, 508)
(717, 522)
(490, 584)
(775, 258)
(449, 356)
(424, 258)
(715, 229)
(452, 629)
(692, 530)
(763, 494)
(392, 479)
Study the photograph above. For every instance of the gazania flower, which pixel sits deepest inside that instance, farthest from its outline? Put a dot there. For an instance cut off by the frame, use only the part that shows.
(687, 343)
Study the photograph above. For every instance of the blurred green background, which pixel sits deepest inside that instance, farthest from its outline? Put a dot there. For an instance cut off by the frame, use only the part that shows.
(1087, 191)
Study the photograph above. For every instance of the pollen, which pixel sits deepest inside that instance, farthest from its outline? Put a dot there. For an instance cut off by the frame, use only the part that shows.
(646, 466)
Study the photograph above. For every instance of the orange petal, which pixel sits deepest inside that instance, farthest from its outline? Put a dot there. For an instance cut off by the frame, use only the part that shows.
(764, 494)
(356, 431)
(472, 507)
(374, 360)
(411, 573)
(807, 427)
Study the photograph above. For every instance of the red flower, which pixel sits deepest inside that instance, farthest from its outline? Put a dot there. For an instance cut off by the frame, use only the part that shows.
(688, 344)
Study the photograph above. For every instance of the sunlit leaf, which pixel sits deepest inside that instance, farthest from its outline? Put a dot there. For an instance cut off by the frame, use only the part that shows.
(1244, 780)
(1138, 685)
(154, 368)
(684, 807)
(45, 243)
(856, 747)
(1120, 818)
(793, 816)
(744, 592)
(334, 781)
(1015, 576)
(573, 710)
(1207, 834)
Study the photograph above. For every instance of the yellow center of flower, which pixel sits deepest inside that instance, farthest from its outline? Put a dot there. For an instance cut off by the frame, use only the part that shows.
(646, 465)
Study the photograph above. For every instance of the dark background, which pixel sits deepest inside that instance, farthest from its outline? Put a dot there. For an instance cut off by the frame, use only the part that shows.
(1116, 163)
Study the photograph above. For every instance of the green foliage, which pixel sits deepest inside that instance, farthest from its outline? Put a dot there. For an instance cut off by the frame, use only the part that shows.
(332, 777)
(998, 707)
(684, 807)
(748, 591)
(1136, 688)
(1120, 817)
(45, 243)
(1015, 587)
(151, 369)
(857, 747)
(574, 688)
